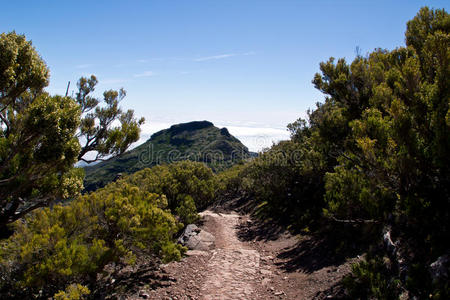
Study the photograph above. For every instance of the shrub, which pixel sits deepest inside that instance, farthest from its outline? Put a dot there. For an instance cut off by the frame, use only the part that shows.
(282, 182)
(72, 292)
(72, 243)
(371, 279)
(179, 182)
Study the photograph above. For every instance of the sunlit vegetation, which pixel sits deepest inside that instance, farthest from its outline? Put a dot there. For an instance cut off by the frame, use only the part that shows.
(40, 134)
(138, 215)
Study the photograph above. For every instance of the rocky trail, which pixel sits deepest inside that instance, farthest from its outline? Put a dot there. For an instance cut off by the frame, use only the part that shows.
(233, 266)
(244, 263)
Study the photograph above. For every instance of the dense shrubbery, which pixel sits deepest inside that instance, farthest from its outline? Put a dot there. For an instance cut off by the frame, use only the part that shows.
(286, 188)
(188, 186)
(375, 152)
(70, 244)
(396, 169)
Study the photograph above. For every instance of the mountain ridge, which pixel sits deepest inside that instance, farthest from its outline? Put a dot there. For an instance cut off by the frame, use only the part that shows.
(197, 141)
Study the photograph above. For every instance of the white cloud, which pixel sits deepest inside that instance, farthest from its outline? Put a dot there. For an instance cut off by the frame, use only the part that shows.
(112, 81)
(215, 57)
(144, 74)
(83, 66)
(258, 138)
(222, 56)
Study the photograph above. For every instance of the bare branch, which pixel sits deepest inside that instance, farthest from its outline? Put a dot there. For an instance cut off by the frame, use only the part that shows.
(93, 160)
(355, 221)
(41, 203)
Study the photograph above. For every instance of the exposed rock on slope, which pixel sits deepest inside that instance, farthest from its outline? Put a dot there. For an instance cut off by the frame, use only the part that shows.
(196, 239)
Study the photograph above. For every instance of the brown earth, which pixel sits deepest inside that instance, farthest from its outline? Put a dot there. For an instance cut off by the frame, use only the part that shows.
(251, 261)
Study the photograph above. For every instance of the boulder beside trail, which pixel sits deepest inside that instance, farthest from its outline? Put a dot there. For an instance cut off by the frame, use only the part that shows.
(196, 239)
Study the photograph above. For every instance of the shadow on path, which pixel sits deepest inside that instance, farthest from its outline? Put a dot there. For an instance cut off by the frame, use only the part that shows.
(259, 231)
(313, 252)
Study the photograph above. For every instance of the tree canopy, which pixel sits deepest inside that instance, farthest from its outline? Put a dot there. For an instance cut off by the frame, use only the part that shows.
(40, 134)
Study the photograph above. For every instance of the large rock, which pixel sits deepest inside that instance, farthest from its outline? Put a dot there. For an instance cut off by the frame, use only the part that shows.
(196, 239)
(440, 268)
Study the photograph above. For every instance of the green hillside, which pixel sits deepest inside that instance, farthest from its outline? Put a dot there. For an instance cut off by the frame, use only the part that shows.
(197, 141)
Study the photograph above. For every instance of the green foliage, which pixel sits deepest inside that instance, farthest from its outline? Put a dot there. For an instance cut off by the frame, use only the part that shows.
(21, 68)
(230, 182)
(38, 147)
(51, 248)
(372, 279)
(39, 137)
(139, 214)
(186, 209)
(398, 164)
(56, 246)
(187, 185)
(394, 166)
(171, 251)
(195, 141)
(284, 182)
(72, 292)
(134, 217)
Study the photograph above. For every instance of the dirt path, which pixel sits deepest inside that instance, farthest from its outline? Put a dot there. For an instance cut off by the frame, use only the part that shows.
(250, 263)
(233, 267)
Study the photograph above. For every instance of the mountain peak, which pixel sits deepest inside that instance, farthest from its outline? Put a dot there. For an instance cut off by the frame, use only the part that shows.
(198, 140)
(189, 126)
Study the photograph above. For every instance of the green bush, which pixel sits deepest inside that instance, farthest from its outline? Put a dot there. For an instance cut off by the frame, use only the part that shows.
(229, 182)
(72, 243)
(186, 209)
(372, 279)
(179, 182)
(395, 167)
(285, 182)
(72, 292)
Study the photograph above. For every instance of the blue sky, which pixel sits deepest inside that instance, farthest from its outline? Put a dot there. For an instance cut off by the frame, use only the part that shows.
(243, 64)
